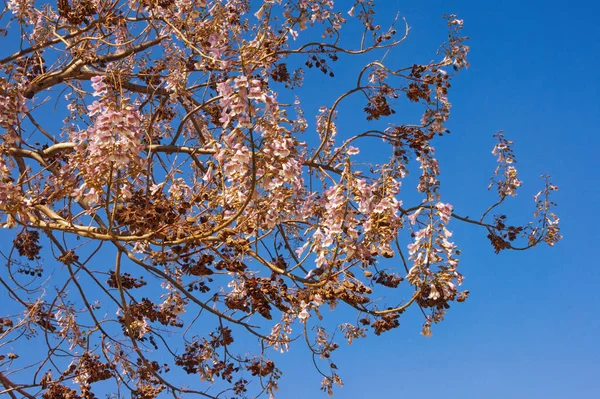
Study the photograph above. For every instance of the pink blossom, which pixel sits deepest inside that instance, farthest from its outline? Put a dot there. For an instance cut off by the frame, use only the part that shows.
(433, 293)
(413, 216)
(303, 315)
(241, 81)
(413, 247)
(98, 85)
(261, 11)
(352, 150)
(444, 211)
(224, 89)
(300, 250)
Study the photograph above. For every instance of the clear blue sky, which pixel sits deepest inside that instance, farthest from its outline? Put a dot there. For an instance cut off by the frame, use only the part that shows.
(531, 325)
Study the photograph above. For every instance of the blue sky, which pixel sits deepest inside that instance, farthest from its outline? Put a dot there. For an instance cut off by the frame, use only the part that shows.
(530, 326)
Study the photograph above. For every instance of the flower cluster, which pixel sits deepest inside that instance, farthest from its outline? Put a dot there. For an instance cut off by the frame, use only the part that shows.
(505, 176)
(110, 148)
(12, 106)
(22, 9)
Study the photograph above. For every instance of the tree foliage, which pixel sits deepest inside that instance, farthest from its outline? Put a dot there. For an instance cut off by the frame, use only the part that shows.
(177, 215)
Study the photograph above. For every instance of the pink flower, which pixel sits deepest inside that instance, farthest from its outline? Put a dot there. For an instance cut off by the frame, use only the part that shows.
(224, 89)
(94, 108)
(98, 85)
(299, 251)
(303, 315)
(225, 119)
(433, 293)
(445, 211)
(413, 247)
(241, 81)
(259, 14)
(413, 216)
(352, 150)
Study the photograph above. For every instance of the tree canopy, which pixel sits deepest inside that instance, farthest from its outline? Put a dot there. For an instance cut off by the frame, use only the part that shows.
(178, 214)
